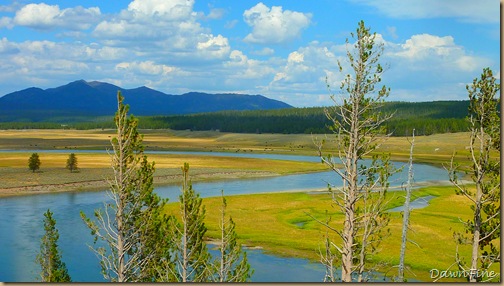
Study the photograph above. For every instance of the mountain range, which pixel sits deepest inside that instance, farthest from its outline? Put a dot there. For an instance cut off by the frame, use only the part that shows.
(84, 99)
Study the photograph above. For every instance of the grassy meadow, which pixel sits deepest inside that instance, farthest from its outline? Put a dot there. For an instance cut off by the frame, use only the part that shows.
(436, 149)
(95, 167)
(280, 224)
(277, 222)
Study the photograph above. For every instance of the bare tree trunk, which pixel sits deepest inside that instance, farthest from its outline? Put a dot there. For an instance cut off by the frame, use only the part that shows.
(485, 172)
(357, 123)
(406, 212)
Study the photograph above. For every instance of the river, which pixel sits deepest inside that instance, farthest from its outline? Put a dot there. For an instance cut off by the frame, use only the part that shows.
(21, 224)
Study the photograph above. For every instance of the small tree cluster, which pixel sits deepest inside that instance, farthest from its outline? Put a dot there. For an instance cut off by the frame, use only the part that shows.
(143, 243)
(34, 162)
(191, 261)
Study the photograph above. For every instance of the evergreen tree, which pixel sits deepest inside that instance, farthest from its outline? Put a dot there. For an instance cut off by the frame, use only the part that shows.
(71, 162)
(49, 258)
(191, 259)
(232, 265)
(34, 162)
(484, 228)
(126, 224)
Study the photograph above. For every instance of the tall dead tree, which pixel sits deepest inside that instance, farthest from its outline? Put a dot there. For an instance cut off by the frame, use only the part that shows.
(406, 212)
(484, 228)
(357, 124)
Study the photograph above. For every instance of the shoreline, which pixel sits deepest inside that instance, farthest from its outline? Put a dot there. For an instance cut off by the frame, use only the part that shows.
(169, 180)
(101, 185)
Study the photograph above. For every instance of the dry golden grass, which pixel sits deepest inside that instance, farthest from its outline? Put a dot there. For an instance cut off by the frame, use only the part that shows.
(435, 149)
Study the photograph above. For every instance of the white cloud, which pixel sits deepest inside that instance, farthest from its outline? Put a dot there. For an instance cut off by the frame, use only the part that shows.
(215, 13)
(482, 11)
(45, 17)
(146, 67)
(295, 57)
(434, 53)
(161, 9)
(217, 47)
(273, 25)
(6, 22)
(166, 30)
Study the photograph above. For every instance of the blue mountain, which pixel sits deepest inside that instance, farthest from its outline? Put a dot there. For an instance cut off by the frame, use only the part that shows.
(81, 98)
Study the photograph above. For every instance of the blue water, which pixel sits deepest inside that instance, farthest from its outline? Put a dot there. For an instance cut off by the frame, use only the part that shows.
(418, 203)
(21, 224)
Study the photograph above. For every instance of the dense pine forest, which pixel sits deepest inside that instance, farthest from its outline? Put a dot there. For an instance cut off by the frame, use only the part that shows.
(426, 117)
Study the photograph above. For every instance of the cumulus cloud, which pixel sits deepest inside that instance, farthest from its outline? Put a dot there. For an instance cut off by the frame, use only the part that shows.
(430, 52)
(167, 29)
(165, 9)
(485, 11)
(146, 67)
(273, 25)
(45, 17)
(423, 67)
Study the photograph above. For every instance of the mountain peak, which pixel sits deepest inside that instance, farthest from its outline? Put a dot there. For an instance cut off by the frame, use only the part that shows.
(95, 98)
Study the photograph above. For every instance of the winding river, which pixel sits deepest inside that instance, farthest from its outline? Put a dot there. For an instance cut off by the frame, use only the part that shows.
(21, 224)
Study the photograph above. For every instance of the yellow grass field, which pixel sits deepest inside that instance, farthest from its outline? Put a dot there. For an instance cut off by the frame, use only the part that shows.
(430, 149)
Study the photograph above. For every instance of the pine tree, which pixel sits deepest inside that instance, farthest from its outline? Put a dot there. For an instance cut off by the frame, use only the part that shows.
(49, 258)
(126, 224)
(71, 162)
(34, 162)
(191, 259)
(232, 265)
(357, 124)
(485, 226)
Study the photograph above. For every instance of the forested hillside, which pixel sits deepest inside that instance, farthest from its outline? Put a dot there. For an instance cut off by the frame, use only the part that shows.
(426, 117)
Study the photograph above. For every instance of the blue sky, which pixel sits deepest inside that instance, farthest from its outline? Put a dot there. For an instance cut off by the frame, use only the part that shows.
(281, 49)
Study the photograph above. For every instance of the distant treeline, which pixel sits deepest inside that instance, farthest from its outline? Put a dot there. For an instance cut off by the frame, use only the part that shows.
(426, 117)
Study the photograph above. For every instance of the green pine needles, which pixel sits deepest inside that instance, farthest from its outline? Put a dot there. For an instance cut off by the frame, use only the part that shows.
(49, 258)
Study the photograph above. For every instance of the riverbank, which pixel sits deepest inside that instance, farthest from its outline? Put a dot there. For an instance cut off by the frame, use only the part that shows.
(434, 149)
(282, 224)
(94, 170)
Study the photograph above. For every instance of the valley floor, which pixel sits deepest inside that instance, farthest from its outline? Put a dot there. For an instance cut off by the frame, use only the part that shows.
(282, 225)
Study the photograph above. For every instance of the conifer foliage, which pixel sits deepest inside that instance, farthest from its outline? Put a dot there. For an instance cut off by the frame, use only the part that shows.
(71, 163)
(34, 162)
(191, 258)
(484, 229)
(232, 265)
(49, 258)
(126, 224)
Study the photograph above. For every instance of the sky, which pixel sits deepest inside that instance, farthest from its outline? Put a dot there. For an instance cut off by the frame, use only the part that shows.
(285, 50)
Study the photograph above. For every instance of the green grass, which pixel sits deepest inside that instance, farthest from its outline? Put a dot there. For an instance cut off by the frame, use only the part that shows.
(281, 224)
